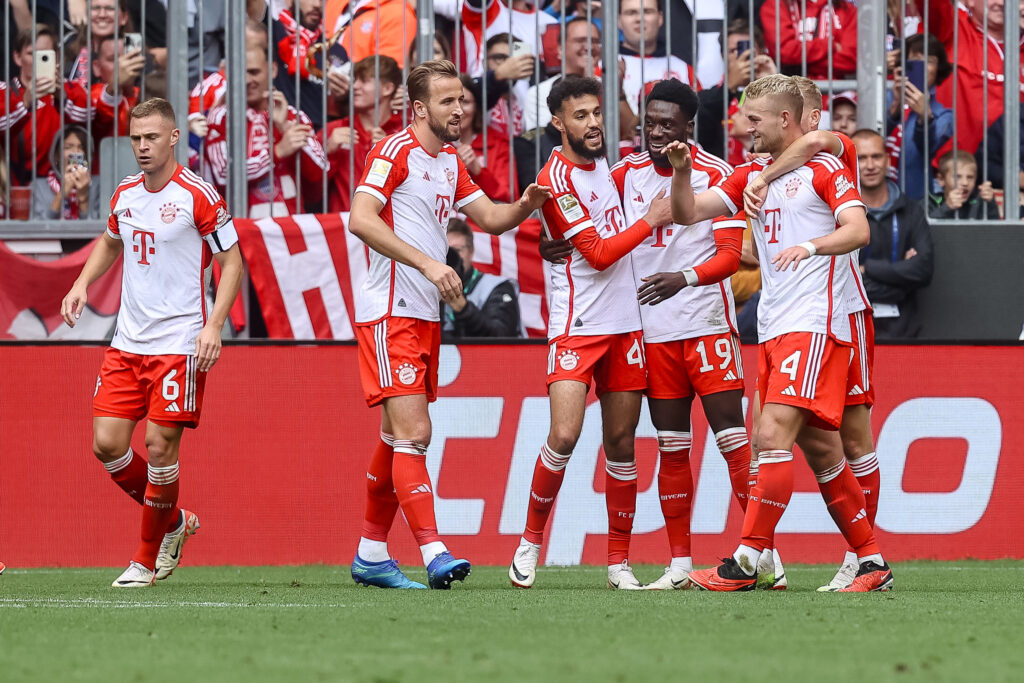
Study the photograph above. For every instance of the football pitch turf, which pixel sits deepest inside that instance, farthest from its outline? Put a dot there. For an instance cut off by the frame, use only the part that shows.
(943, 622)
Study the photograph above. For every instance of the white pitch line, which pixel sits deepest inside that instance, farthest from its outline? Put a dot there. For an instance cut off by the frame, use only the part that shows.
(73, 603)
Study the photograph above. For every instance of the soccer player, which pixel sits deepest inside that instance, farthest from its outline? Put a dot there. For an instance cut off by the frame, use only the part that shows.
(412, 184)
(689, 319)
(855, 431)
(593, 327)
(809, 218)
(168, 224)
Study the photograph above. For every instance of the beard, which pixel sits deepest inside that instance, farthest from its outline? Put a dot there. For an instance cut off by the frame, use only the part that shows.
(441, 130)
(579, 145)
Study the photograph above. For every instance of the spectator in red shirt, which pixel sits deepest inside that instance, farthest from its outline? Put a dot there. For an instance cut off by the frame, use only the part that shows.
(115, 86)
(49, 114)
(488, 167)
(813, 32)
(280, 156)
(348, 142)
(968, 74)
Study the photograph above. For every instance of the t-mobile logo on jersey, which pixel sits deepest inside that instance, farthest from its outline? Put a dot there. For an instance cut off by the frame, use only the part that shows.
(772, 224)
(144, 247)
(613, 219)
(443, 207)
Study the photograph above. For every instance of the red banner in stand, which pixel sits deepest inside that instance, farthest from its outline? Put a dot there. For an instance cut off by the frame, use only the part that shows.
(276, 469)
(306, 269)
(31, 292)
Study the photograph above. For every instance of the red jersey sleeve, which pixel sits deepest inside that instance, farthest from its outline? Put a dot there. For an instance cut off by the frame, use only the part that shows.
(383, 172)
(835, 183)
(619, 177)
(210, 213)
(466, 190)
(564, 215)
(112, 227)
(728, 234)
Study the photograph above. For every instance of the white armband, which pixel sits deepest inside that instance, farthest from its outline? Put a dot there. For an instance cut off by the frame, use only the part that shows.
(811, 249)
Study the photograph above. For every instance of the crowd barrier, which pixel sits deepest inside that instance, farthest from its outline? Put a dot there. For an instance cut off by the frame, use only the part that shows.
(276, 469)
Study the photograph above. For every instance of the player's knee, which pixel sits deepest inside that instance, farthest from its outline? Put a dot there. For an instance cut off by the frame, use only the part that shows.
(855, 446)
(162, 451)
(106, 447)
(562, 440)
(417, 433)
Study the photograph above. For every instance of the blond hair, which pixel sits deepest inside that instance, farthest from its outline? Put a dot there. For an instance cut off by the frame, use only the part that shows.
(809, 91)
(417, 84)
(154, 105)
(782, 91)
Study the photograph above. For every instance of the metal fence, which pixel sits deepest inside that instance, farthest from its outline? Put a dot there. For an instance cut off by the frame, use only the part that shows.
(198, 49)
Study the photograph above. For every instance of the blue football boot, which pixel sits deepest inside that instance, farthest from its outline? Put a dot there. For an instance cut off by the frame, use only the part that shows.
(384, 574)
(444, 569)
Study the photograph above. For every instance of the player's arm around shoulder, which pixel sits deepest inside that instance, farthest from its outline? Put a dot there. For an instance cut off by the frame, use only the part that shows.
(498, 218)
(795, 156)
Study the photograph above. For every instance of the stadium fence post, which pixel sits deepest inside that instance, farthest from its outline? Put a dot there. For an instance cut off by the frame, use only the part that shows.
(871, 81)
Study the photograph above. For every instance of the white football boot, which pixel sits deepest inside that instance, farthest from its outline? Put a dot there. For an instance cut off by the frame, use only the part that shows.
(170, 548)
(523, 570)
(674, 579)
(620, 577)
(136, 576)
(771, 575)
(844, 577)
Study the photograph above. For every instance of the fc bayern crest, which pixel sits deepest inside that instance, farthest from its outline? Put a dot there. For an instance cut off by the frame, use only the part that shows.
(792, 187)
(451, 176)
(568, 360)
(168, 213)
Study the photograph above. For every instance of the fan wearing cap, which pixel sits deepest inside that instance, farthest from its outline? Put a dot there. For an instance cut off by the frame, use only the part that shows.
(844, 112)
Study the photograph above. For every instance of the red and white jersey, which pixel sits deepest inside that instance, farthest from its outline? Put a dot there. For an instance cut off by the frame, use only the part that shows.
(800, 206)
(641, 71)
(583, 300)
(694, 311)
(13, 113)
(169, 239)
(855, 297)
(207, 93)
(420, 192)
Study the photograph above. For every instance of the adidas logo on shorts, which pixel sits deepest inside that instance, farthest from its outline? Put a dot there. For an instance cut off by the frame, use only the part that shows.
(730, 375)
(173, 408)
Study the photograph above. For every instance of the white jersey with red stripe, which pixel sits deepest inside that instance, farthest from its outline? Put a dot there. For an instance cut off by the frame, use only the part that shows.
(583, 300)
(800, 206)
(169, 237)
(694, 311)
(420, 191)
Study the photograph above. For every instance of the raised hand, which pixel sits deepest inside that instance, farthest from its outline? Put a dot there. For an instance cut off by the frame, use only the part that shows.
(678, 153)
(535, 195)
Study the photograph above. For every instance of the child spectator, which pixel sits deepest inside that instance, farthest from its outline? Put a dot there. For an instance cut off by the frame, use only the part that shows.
(962, 196)
(844, 113)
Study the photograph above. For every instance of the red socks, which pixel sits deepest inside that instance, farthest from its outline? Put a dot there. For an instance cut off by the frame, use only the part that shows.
(413, 490)
(159, 512)
(735, 448)
(547, 479)
(381, 501)
(865, 468)
(675, 489)
(768, 499)
(845, 503)
(620, 499)
(129, 472)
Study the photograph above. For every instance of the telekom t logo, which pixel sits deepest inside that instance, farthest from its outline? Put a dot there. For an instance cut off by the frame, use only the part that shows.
(613, 219)
(443, 207)
(143, 247)
(772, 224)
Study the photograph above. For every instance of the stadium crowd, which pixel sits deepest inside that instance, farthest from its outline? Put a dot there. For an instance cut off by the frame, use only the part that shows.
(324, 82)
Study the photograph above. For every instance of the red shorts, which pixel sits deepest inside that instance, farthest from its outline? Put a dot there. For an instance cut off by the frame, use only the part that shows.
(167, 390)
(860, 390)
(702, 365)
(807, 370)
(614, 362)
(398, 357)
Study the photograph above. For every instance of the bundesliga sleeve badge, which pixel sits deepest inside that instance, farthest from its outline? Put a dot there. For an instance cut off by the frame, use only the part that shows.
(570, 208)
(379, 171)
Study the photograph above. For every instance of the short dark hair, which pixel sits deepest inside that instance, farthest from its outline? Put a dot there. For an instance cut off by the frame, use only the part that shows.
(960, 156)
(867, 133)
(572, 86)
(418, 82)
(24, 37)
(366, 69)
(915, 43)
(675, 91)
(460, 227)
(498, 39)
(154, 105)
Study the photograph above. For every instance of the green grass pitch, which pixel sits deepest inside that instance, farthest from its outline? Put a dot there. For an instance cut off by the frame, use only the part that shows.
(944, 622)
